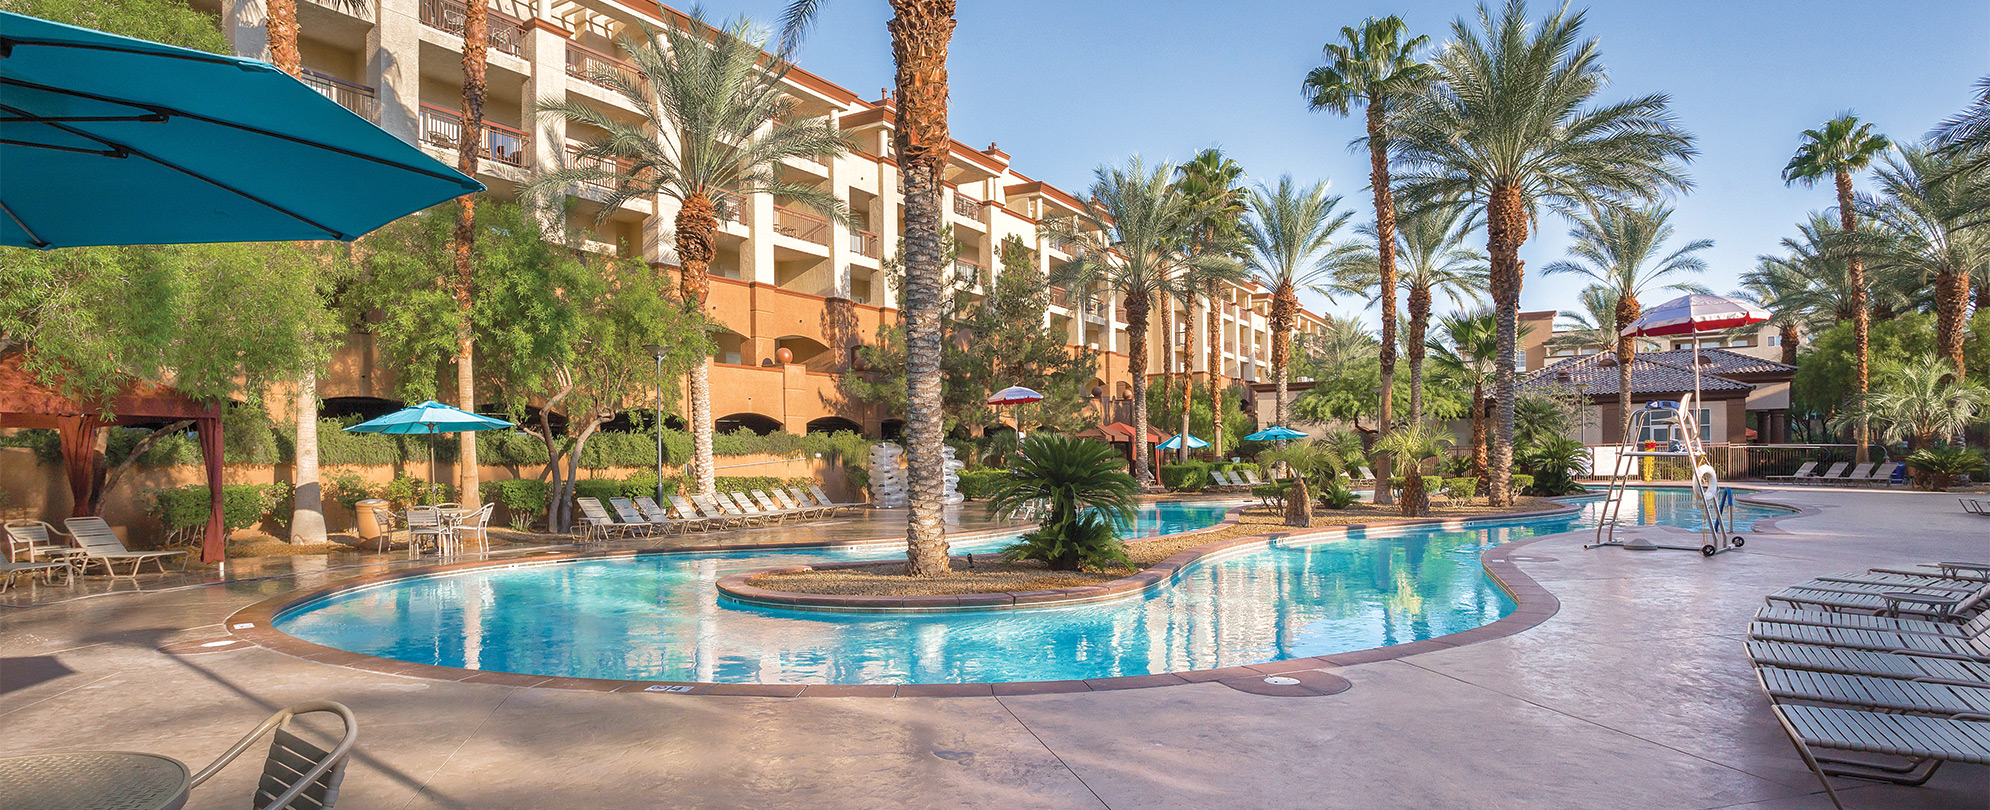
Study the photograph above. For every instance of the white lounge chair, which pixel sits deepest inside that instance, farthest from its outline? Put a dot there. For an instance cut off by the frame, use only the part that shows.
(1802, 472)
(633, 521)
(662, 518)
(1830, 473)
(824, 499)
(1925, 742)
(596, 523)
(297, 773)
(101, 547)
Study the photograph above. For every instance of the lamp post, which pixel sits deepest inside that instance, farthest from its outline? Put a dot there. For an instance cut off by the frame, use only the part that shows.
(657, 352)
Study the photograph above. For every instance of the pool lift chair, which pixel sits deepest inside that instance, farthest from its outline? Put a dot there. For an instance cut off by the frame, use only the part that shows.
(1717, 532)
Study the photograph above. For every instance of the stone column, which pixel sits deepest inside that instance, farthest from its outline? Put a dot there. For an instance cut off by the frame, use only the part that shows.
(242, 23)
(393, 66)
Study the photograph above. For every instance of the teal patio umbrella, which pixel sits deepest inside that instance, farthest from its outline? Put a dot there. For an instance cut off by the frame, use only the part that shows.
(109, 140)
(1275, 433)
(1175, 442)
(429, 418)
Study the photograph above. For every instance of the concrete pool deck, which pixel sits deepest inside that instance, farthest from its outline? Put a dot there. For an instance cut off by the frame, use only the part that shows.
(1635, 694)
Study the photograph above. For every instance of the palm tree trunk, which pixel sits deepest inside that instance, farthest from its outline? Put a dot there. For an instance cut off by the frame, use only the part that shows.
(280, 23)
(1136, 367)
(1506, 231)
(1419, 326)
(1479, 432)
(1787, 339)
(1213, 344)
(1385, 260)
(920, 33)
(1951, 309)
(1628, 310)
(1284, 304)
(1167, 352)
(1862, 316)
(307, 513)
(1188, 376)
(696, 225)
(476, 46)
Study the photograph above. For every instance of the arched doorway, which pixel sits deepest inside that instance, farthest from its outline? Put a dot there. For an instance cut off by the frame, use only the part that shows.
(891, 429)
(757, 423)
(833, 424)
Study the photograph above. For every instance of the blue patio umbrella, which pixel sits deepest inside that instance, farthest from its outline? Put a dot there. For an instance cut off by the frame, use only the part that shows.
(430, 418)
(1275, 433)
(1175, 442)
(186, 146)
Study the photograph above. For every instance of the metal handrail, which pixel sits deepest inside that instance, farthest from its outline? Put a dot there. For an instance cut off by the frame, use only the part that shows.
(442, 127)
(504, 33)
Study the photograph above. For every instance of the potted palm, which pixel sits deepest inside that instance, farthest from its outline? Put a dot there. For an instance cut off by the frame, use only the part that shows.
(1083, 494)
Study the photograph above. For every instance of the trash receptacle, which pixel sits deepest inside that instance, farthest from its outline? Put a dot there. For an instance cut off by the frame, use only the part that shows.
(373, 519)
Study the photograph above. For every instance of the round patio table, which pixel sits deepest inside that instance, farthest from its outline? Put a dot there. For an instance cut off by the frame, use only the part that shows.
(93, 780)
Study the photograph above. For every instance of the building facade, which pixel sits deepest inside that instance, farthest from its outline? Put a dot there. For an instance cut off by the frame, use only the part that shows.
(795, 293)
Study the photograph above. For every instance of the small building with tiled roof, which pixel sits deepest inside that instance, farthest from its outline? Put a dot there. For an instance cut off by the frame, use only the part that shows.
(1741, 394)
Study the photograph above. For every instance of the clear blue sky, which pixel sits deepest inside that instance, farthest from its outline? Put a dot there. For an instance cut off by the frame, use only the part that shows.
(1067, 85)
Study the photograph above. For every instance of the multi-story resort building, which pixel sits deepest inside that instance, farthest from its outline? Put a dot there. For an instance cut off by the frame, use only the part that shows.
(796, 293)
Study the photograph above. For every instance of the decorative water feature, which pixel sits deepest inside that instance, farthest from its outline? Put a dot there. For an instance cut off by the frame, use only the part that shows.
(887, 476)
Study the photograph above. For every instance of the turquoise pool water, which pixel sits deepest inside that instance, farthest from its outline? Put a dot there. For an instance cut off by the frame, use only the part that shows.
(658, 617)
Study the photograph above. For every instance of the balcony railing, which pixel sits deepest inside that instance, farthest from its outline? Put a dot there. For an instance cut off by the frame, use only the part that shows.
(1060, 297)
(440, 127)
(967, 269)
(1063, 244)
(504, 33)
(585, 63)
(623, 169)
(806, 227)
(967, 206)
(866, 243)
(355, 97)
(727, 206)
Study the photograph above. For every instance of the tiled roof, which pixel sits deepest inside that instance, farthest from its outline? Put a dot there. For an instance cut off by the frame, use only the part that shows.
(1650, 374)
(1720, 361)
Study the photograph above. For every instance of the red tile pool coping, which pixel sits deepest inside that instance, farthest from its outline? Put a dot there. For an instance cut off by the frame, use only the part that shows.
(1533, 605)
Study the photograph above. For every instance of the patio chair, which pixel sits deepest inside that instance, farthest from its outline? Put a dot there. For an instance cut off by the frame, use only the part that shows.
(476, 524)
(35, 541)
(426, 521)
(1883, 474)
(1367, 475)
(661, 517)
(1856, 476)
(802, 499)
(1802, 472)
(1871, 693)
(633, 522)
(1974, 506)
(101, 547)
(1975, 649)
(596, 523)
(803, 509)
(1869, 580)
(1866, 662)
(821, 497)
(1978, 571)
(737, 506)
(773, 507)
(1860, 621)
(1249, 477)
(1925, 742)
(1830, 473)
(696, 507)
(1943, 603)
(297, 774)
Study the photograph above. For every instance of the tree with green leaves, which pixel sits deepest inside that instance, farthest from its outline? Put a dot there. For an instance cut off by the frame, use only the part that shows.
(1214, 182)
(1467, 350)
(1826, 384)
(1291, 235)
(172, 22)
(1410, 446)
(1084, 496)
(1432, 243)
(1921, 225)
(1511, 125)
(1842, 147)
(1965, 139)
(1920, 402)
(1623, 251)
(715, 125)
(1009, 343)
(1376, 67)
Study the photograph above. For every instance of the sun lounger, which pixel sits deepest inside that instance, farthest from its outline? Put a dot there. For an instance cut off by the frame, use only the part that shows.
(738, 506)
(1834, 471)
(1802, 472)
(824, 499)
(1249, 477)
(772, 506)
(1831, 618)
(709, 506)
(661, 517)
(628, 515)
(1975, 507)
(822, 508)
(1883, 474)
(101, 547)
(793, 499)
(1974, 649)
(1882, 581)
(1856, 477)
(1887, 602)
(1869, 692)
(1866, 662)
(597, 523)
(12, 572)
(1925, 742)
(1978, 571)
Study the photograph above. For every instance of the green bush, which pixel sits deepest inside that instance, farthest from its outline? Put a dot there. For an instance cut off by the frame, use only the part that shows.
(1936, 467)
(406, 490)
(1522, 483)
(1078, 486)
(522, 498)
(1336, 495)
(643, 485)
(1465, 488)
(182, 509)
(600, 489)
(1279, 487)
(46, 444)
(346, 489)
(1189, 477)
(976, 484)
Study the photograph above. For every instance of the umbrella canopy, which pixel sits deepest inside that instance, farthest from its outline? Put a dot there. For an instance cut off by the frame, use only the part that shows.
(1014, 395)
(187, 147)
(429, 417)
(1275, 433)
(1689, 314)
(1175, 443)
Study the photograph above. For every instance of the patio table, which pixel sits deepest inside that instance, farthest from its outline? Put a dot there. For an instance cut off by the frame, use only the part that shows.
(94, 780)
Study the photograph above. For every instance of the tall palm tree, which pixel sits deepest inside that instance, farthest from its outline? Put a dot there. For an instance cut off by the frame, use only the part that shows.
(715, 126)
(1836, 150)
(1214, 183)
(1431, 241)
(1780, 291)
(1623, 250)
(1966, 136)
(1291, 234)
(469, 146)
(1922, 220)
(1138, 246)
(920, 30)
(1595, 325)
(1508, 127)
(1375, 67)
(1467, 349)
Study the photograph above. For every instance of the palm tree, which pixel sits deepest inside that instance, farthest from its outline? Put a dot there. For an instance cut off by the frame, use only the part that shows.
(1836, 150)
(1623, 251)
(1966, 137)
(469, 146)
(1082, 491)
(1781, 291)
(920, 33)
(1923, 227)
(1375, 67)
(1214, 184)
(1508, 128)
(1595, 325)
(1468, 351)
(1409, 445)
(715, 127)
(1920, 403)
(1431, 242)
(1139, 245)
(1291, 233)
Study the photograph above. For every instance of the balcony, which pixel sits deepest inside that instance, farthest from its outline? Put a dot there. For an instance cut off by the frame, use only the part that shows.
(586, 63)
(1060, 297)
(1063, 244)
(355, 97)
(440, 127)
(806, 227)
(967, 269)
(505, 33)
(866, 243)
(967, 206)
(623, 169)
(727, 206)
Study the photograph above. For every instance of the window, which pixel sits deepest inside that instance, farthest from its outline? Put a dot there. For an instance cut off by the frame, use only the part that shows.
(1662, 432)
(1774, 340)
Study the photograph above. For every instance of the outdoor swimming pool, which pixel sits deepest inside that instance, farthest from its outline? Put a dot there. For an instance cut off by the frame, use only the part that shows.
(659, 617)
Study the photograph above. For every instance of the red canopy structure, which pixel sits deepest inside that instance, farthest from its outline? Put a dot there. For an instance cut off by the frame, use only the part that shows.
(26, 403)
(1122, 433)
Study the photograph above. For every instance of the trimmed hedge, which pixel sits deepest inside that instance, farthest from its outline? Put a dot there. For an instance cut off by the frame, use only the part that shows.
(1466, 488)
(183, 510)
(522, 498)
(976, 484)
(1521, 482)
(1190, 477)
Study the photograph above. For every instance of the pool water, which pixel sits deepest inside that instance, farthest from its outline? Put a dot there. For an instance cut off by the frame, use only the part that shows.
(658, 617)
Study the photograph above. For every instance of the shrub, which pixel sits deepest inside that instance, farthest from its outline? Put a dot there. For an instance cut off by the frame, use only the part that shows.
(1936, 467)
(1522, 482)
(346, 489)
(523, 499)
(1190, 477)
(183, 510)
(406, 490)
(1336, 495)
(1079, 486)
(643, 485)
(600, 489)
(1465, 488)
(1552, 464)
(977, 484)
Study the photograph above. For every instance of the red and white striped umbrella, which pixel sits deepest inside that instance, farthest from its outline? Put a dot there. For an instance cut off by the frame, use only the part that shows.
(1690, 314)
(1014, 395)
